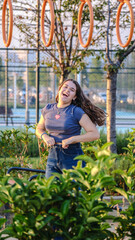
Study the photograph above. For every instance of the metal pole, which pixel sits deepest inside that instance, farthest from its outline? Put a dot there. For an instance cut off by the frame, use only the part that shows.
(37, 59)
(6, 77)
(6, 88)
(54, 76)
(27, 88)
(14, 90)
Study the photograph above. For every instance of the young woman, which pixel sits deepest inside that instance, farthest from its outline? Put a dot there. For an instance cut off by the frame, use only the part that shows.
(61, 122)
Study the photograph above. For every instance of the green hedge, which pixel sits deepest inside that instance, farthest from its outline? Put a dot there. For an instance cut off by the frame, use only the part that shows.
(71, 205)
(14, 141)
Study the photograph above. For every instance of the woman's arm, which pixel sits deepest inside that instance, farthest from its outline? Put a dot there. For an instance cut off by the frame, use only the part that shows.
(90, 135)
(41, 132)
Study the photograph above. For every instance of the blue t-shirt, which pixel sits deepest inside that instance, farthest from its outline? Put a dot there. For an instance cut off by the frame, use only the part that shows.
(62, 123)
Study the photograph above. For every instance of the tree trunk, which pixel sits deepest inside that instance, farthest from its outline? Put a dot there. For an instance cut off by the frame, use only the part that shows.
(111, 108)
(64, 76)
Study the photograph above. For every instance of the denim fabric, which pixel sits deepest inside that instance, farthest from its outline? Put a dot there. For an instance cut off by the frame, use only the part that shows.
(60, 158)
(58, 238)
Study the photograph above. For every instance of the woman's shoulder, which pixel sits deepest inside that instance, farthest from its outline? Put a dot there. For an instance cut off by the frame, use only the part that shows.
(78, 109)
(78, 112)
(49, 106)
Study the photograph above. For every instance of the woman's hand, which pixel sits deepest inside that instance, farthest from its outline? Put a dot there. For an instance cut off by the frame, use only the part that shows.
(66, 142)
(40, 130)
(49, 141)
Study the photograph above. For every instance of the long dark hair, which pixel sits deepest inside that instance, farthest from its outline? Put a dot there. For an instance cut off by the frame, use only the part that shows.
(96, 114)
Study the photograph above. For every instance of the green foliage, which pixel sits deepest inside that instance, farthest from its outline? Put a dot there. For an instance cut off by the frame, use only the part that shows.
(122, 141)
(131, 146)
(15, 144)
(126, 220)
(69, 205)
(33, 148)
(43, 151)
(126, 162)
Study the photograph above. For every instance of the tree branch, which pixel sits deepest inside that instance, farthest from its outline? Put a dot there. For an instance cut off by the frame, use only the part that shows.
(121, 56)
(107, 36)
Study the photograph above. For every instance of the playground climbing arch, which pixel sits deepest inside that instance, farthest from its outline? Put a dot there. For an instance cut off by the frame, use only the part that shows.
(7, 39)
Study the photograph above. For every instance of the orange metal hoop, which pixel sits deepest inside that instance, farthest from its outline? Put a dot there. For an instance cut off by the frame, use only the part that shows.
(52, 22)
(7, 42)
(132, 23)
(91, 23)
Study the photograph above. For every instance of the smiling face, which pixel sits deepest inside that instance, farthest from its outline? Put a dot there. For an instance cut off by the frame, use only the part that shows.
(67, 93)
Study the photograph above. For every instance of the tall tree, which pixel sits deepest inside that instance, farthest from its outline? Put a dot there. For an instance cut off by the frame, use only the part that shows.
(112, 67)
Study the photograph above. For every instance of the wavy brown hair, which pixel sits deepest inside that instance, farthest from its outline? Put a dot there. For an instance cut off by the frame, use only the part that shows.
(96, 114)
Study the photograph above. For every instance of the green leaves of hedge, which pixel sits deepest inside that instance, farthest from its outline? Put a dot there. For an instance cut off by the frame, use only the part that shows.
(68, 205)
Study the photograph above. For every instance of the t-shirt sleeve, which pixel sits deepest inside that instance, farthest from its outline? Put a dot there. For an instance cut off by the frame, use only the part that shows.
(78, 113)
(45, 109)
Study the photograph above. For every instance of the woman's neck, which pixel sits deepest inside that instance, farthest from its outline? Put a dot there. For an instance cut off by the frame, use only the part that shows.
(62, 105)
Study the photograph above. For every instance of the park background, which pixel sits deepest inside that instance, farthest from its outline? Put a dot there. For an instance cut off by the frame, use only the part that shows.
(30, 72)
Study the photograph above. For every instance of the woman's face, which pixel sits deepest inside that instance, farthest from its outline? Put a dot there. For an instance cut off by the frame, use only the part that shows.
(67, 93)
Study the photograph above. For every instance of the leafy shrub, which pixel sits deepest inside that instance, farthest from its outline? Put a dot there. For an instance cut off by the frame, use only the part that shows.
(33, 150)
(126, 220)
(14, 143)
(122, 141)
(10, 144)
(126, 160)
(67, 205)
(71, 205)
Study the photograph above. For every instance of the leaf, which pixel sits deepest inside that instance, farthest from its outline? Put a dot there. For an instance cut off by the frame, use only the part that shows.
(79, 174)
(122, 192)
(131, 169)
(106, 145)
(39, 218)
(19, 182)
(94, 171)
(41, 224)
(97, 208)
(85, 158)
(34, 203)
(84, 182)
(65, 207)
(79, 164)
(31, 232)
(55, 211)
(132, 193)
(103, 153)
(120, 172)
(107, 181)
(81, 231)
(96, 195)
(84, 195)
(50, 180)
(92, 219)
(2, 221)
(4, 193)
(92, 149)
(72, 219)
